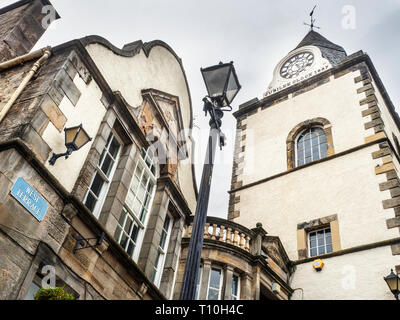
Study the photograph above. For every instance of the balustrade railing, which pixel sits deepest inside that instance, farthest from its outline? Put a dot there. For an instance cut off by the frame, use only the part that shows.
(225, 231)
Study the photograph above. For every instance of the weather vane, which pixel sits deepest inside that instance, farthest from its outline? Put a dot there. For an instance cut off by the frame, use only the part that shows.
(311, 25)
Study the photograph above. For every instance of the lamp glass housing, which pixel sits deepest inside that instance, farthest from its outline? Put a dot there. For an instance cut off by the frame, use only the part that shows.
(221, 82)
(76, 137)
(392, 282)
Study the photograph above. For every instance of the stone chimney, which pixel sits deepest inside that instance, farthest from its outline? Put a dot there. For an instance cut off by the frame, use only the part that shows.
(21, 26)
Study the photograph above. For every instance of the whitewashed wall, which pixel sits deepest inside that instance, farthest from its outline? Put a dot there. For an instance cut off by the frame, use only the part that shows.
(356, 276)
(161, 71)
(90, 112)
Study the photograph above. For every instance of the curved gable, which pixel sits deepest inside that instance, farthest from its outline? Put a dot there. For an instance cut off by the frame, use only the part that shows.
(138, 67)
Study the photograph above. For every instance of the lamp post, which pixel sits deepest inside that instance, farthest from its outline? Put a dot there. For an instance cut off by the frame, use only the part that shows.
(222, 86)
(392, 281)
(75, 138)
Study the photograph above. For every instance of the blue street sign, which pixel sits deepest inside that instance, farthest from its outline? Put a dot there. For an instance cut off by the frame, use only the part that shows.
(29, 198)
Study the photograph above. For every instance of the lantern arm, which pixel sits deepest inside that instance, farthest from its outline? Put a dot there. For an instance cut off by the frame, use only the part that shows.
(55, 156)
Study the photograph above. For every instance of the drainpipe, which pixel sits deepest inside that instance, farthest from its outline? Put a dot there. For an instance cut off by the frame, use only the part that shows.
(44, 54)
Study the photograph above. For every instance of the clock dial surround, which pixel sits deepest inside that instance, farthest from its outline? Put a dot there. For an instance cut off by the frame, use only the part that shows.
(297, 64)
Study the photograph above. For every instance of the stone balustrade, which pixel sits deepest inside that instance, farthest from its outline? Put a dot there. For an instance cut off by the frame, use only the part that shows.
(225, 231)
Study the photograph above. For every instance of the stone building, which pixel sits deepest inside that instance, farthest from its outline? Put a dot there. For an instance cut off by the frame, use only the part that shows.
(321, 148)
(112, 220)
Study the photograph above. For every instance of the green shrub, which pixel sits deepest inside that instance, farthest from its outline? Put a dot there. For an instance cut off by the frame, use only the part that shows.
(53, 294)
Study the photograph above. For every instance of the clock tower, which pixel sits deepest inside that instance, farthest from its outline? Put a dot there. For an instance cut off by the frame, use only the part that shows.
(316, 162)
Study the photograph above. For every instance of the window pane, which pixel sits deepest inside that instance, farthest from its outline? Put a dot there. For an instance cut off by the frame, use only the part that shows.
(324, 150)
(124, 240)
(143, 214)
(97, 184)
(128, 225)
(198, 282)
(114, 147)
(146, 201)
(101, 157)
(166, 223)
(141, 192)
(107, 165)
(328, 240)
(136, 207)
(321, 250)
(90, 201)
(215, 278)
(135, 232)
(313, 252)
(235, 287)
(329, 248)
(130, 249)
(162, 239)
(117, 233)
(139, 170)
(134, 184)
(213, 294)
(130, 197)
(121, 220)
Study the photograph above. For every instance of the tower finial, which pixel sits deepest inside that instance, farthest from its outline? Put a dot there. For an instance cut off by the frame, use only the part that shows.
(311, 25)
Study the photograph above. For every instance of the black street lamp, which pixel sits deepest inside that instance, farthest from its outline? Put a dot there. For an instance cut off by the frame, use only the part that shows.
(222, 85)
(392, 281)
(75, 138)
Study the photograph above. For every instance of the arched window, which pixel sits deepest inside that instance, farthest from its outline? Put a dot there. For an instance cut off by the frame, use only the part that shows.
(309, 141)
(311, 145)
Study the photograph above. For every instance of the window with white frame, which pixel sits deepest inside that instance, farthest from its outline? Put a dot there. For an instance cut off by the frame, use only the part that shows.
(235, 293)
(162, 250)
(127, 232)
(319, 242)
(215, 284)
(137, 205)
(198, 282)
(102, 176)
(311, 145)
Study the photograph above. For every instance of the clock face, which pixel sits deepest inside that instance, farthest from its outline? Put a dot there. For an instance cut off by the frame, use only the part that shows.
(297, 64)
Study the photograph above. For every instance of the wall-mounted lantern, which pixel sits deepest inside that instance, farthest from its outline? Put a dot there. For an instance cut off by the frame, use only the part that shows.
(75, 138)
(392, 281)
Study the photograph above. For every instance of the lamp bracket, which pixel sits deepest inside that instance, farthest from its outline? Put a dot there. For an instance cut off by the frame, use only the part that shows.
(55, 156)
(216, 114)
(85, 242)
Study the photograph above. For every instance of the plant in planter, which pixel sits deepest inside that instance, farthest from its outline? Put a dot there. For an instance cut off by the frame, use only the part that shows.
(53, 294)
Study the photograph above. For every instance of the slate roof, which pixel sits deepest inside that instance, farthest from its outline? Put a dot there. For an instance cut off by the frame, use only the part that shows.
(333, 52)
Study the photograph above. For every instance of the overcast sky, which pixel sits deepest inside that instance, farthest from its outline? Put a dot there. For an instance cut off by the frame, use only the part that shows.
(253, 34)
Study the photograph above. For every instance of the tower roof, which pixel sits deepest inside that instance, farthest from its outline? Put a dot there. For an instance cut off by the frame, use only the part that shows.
(333, 52)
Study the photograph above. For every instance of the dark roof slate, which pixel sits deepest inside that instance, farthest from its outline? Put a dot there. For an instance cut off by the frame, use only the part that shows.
(333, 52)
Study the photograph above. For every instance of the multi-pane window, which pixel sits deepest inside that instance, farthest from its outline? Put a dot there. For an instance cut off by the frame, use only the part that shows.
(320, 242)
(235, 295)
(102, 177)
(214, 286)
(140, 193)
(138, 202)
(127, 232)
(311, 146)
(162, 250)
